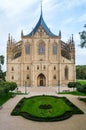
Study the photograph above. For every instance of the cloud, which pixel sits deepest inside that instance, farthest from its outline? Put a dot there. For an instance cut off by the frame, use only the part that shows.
(12, 8)
(81, 18)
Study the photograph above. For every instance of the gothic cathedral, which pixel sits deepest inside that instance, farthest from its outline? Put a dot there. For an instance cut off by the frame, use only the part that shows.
(40, 58)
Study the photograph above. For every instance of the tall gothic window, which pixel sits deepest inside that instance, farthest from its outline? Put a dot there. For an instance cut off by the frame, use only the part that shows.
(54, 77)
(12, 68)
(37, 67)
(66, 73)
(27, 49)
(12, 77)
(54, 49)
(27, 76)
(27, 67)
(54, 67)
(41, 49)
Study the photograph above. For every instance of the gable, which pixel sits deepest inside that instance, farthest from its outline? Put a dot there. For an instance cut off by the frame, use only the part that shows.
(41, 23)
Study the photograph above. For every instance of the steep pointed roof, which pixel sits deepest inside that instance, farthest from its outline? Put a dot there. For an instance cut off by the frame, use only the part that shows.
(42, 23)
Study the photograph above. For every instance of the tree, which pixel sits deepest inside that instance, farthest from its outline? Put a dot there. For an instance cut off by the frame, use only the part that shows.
(2, 59)
(1, 63)
(81, 71)
(83, 37)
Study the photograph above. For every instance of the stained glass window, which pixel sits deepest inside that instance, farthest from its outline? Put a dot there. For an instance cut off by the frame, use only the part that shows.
(66, 73)
(41, 49)
(27, 49)
(55, 49)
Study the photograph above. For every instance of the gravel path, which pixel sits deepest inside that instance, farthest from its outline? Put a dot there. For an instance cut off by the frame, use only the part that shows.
(8, 122)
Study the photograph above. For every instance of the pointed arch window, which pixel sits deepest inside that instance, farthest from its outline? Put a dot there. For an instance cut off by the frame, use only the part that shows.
(37, 67)
(12, 68)
(54, 49)
(27, 67)
(66, 73)
(27, 76)
(54, 67)
(12, 77)
(54, 77)
(27, 49)
(41, 49)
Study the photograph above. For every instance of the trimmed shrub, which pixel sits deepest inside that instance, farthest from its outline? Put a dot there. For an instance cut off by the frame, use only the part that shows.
(72, 84)
(82, 88)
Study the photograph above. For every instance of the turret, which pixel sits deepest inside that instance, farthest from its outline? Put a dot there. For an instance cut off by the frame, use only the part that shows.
(8, 42)
(9, 47)
(21, 34)
(60, 34)
(72, 48)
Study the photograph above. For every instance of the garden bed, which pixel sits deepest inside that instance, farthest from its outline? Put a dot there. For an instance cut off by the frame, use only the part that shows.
(45, 108)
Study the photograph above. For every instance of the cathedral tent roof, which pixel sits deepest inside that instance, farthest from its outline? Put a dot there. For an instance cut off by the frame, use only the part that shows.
(42, 23)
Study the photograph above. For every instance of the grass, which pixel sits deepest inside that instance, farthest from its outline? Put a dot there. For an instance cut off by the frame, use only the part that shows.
(82, 82)
(4, 98)
(76, 93)
(61, 108)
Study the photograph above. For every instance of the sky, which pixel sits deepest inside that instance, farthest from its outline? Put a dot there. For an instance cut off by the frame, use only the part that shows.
(65, 15)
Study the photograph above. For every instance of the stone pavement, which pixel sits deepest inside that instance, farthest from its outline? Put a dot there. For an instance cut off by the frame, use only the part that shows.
(8, 122)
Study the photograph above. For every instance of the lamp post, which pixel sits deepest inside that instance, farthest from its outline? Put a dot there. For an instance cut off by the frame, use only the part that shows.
(58, 88)
(25, 87)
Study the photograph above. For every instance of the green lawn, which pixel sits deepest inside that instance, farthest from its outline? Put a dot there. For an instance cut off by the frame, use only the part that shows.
(82, 82)
(76, 93)
(60, 108)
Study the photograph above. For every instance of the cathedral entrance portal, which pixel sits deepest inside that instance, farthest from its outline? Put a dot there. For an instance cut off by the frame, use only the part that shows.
(41, 80)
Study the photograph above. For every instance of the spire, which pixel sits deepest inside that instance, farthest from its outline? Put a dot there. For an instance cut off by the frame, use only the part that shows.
(9, 37)
(72, 38)
(41, 8)
(42, 23)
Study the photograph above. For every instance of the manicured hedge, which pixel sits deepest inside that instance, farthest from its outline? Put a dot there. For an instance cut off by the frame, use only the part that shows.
(74, 110)
(80, 87)
(65, 116)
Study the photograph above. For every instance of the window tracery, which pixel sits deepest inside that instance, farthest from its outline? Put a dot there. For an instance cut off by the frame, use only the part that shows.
(41, 49)
(27, 49)
(54, 49)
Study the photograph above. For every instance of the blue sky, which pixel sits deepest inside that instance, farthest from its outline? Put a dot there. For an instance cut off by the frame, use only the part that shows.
(65, 15)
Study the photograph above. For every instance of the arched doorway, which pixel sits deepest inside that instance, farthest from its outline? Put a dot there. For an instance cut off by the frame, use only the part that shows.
(41, 80)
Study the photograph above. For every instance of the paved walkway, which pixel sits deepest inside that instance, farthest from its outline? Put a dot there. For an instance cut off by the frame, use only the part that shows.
(8, 122)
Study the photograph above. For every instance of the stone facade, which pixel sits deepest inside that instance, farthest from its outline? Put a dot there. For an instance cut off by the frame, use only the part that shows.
(40, 58)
